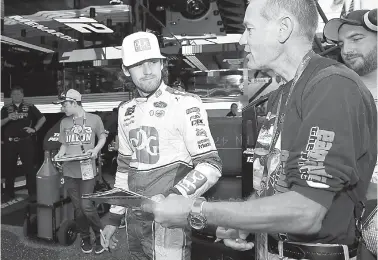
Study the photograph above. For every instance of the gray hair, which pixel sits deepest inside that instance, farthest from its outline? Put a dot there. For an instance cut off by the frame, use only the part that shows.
(304, 11)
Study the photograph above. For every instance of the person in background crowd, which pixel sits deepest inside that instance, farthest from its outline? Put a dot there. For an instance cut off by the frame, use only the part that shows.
(19, 122)
(165, 147)
(234, 110)
(77, 134)
(318, 142)
(356, 34)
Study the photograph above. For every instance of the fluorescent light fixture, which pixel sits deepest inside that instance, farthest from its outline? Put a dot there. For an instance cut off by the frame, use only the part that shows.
(8, 40)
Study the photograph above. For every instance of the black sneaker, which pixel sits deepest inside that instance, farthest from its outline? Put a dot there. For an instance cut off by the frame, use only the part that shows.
(98, 247)
(86, 245)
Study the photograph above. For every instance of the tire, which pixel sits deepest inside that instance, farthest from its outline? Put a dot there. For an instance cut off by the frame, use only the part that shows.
(67, 233)
(30, 226)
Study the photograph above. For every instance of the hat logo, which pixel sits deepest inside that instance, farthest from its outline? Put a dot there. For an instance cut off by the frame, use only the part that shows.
(142, 44)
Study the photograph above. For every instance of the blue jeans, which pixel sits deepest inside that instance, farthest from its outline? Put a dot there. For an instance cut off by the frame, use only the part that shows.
(86, 215)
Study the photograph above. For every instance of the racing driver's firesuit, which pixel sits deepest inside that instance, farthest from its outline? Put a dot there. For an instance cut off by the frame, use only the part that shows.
(165, 146)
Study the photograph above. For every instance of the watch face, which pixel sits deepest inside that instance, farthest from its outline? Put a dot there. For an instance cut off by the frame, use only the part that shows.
(197, 222)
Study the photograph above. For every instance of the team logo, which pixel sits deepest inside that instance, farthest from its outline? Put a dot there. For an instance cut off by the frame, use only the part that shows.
(146, 142)
(196, 116)
(78, 134)
(130, 111)
(197, 122)
(201, 132)
(152, 112)
(159, 113)
(25, 109)
(192, 182)
(54, 138)
(192, 110)
(142, 44)
(203, 143)
(160, 104)
(158, 93)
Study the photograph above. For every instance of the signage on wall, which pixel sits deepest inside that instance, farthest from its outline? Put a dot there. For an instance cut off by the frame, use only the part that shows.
(85, 25)
(41, 27)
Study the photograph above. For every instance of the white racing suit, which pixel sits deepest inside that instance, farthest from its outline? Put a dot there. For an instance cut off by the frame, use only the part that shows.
(165, 146)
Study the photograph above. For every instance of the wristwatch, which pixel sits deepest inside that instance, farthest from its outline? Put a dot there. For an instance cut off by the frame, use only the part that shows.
(196, 218)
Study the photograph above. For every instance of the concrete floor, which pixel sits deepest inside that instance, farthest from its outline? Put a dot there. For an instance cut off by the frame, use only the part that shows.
(14, 246)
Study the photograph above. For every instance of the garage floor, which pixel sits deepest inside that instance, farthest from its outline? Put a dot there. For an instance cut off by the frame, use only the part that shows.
(14, 246)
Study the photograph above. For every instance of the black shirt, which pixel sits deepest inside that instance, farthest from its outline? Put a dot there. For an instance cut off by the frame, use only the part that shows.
(230, 114)
(28, 115)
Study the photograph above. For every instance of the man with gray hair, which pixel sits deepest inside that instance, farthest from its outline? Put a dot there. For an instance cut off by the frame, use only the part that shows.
(317, 144)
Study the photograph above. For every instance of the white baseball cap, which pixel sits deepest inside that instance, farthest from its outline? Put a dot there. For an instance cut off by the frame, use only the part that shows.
(69, 95)
(140, 46)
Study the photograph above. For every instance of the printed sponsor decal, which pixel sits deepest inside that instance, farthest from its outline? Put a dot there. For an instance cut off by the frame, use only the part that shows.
(192, 110)
(129, 122)
(249, 151)
(196, 116)
(311, 161)
(21, 115)
(201, 132)
(25, 109)
(192, 182)
(197, 122)
(160, 104)
(78, 134)
(146, 142)
(54, 138)
(130, 111)
(85, 25)
(142, 44)
(158, 93)
(203, 143)
(159, 113)
(260, 80)
(11, 202)
(250, 159)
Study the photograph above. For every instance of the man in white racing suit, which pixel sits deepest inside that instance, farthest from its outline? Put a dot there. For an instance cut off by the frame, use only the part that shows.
(165, 147)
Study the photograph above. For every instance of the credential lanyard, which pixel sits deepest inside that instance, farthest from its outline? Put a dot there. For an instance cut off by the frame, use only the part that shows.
(261, 251)
(280, 117)
(83, 130)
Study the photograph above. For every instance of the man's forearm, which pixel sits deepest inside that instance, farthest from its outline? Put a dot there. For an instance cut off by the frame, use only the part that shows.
(100, 144)
(40, 123)
(4, 121)
(283, 213)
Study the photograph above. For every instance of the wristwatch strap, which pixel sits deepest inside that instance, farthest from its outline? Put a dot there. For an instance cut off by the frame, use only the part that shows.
(197, 205)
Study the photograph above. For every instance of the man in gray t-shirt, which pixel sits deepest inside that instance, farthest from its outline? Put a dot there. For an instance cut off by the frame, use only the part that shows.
(78, 133)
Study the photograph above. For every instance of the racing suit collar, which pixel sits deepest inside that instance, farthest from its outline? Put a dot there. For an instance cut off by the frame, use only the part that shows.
(153, 95)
